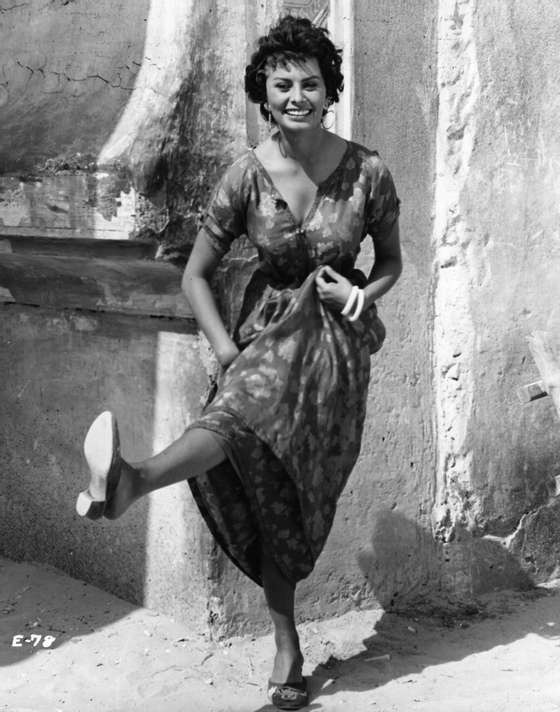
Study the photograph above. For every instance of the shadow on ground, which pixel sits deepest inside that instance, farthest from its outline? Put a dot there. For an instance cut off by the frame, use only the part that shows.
(416, 631)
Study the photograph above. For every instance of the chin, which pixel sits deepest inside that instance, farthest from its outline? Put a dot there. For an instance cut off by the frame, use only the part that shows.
(307, 125)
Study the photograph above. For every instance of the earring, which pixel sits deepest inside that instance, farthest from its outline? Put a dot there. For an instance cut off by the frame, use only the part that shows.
(269, 117)
(327, 112)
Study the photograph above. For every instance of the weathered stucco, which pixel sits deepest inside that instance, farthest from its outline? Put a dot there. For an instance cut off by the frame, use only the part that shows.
(496, 261)
(512, 209)
(68, 70)
(128, 110)
(391, 492)
(65, 366)
(454, 491)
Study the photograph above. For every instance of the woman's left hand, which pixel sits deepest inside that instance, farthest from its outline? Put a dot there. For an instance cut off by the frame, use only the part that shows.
(333, 289)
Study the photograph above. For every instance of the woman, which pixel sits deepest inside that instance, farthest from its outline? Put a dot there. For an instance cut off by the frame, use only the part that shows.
(271, 453)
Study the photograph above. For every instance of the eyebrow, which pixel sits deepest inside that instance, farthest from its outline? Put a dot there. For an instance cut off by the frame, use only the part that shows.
(289, 78)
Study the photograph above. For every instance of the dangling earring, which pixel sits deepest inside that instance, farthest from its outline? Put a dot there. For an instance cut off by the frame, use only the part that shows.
(269, 118)
(327, 110)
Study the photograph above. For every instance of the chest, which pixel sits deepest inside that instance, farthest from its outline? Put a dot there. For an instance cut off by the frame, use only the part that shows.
(332, 228)
(297, 190)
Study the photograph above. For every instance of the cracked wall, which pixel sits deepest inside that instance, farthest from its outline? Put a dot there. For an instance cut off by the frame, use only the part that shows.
(66, 72)
(145, 91)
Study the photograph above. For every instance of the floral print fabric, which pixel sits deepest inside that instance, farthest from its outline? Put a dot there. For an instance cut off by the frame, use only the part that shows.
(290, 409)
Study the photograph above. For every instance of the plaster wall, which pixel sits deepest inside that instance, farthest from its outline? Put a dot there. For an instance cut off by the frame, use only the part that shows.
(511, 208)
(116, 120)
(64, 368)
(389, 499)
(68, 69)
(495, 281)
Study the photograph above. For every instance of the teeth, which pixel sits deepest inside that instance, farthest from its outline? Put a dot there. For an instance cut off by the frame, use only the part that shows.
(293, 112)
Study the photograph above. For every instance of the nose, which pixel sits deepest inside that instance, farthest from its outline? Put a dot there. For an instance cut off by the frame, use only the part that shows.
(296, 94)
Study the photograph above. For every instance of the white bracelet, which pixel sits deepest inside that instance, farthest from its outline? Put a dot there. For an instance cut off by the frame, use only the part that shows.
(350, 301)
(359, 306)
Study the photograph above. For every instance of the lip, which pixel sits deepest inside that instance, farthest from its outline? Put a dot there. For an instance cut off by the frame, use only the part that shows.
(298, 113)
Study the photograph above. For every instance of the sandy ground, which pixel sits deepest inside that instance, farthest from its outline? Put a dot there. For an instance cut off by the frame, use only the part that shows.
(111, 656)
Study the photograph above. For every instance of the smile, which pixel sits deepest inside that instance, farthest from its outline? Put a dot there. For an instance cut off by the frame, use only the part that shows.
(298, 112)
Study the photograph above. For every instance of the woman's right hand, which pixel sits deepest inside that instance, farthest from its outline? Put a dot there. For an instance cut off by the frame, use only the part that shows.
(227, 355)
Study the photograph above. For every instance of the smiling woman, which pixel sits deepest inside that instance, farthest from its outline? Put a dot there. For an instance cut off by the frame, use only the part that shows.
(268, 458)
(297, 101)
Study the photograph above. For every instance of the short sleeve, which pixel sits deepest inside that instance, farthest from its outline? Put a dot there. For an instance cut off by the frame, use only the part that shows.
(383, 205)
(225, 216)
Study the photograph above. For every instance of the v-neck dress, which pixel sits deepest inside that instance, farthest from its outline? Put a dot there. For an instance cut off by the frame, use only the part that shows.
(290, 409)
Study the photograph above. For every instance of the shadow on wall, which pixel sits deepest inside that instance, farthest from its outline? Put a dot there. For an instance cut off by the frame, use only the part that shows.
(465, 567)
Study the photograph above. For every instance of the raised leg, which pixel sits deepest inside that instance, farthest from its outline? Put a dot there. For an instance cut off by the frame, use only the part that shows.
(195, 452)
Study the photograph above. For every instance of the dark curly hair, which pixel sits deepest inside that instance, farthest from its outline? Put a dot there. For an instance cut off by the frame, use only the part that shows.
(293, 38)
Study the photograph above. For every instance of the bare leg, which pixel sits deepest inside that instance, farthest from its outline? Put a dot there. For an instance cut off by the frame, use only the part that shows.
(280, 593)
(195, 452)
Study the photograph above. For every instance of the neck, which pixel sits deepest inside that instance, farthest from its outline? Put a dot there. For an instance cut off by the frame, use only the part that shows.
(303, 147)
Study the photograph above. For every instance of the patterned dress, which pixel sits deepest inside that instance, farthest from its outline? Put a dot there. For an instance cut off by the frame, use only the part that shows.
(290, 409)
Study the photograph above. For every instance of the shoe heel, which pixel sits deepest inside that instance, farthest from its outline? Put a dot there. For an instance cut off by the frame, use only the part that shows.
(86, 506)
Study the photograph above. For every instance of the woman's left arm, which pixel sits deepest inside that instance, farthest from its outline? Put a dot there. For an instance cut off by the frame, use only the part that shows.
(387, 267)
(334, 289)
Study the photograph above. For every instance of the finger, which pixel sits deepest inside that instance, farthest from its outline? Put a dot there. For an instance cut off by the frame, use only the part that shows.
(333, 274)
(326, 299)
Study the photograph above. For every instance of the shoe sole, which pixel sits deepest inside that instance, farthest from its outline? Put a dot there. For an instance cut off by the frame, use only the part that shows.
(100, 445)
(298, 690)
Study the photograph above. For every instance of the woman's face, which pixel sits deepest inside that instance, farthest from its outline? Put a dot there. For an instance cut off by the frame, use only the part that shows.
(296, 94)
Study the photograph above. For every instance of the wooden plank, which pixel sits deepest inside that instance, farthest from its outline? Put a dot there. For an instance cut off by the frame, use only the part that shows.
(140, 287)
(63, 233)
(545, 348)
(77, 246)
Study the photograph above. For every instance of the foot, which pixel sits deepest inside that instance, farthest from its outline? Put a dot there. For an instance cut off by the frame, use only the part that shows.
(288, 665)
(287, 688)
(109, 490)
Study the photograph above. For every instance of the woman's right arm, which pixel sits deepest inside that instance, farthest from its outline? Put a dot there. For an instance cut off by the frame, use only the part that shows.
(196, 285)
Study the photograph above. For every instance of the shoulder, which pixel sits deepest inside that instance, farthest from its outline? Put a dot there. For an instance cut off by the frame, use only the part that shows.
(236, 182)
(370, 164)
(240, 168)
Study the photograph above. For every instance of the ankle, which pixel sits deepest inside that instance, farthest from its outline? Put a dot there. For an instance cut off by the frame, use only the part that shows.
(287, 639)
(139, 483)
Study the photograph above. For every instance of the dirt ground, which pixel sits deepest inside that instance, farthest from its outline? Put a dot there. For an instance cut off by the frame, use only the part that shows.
(110, 656)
